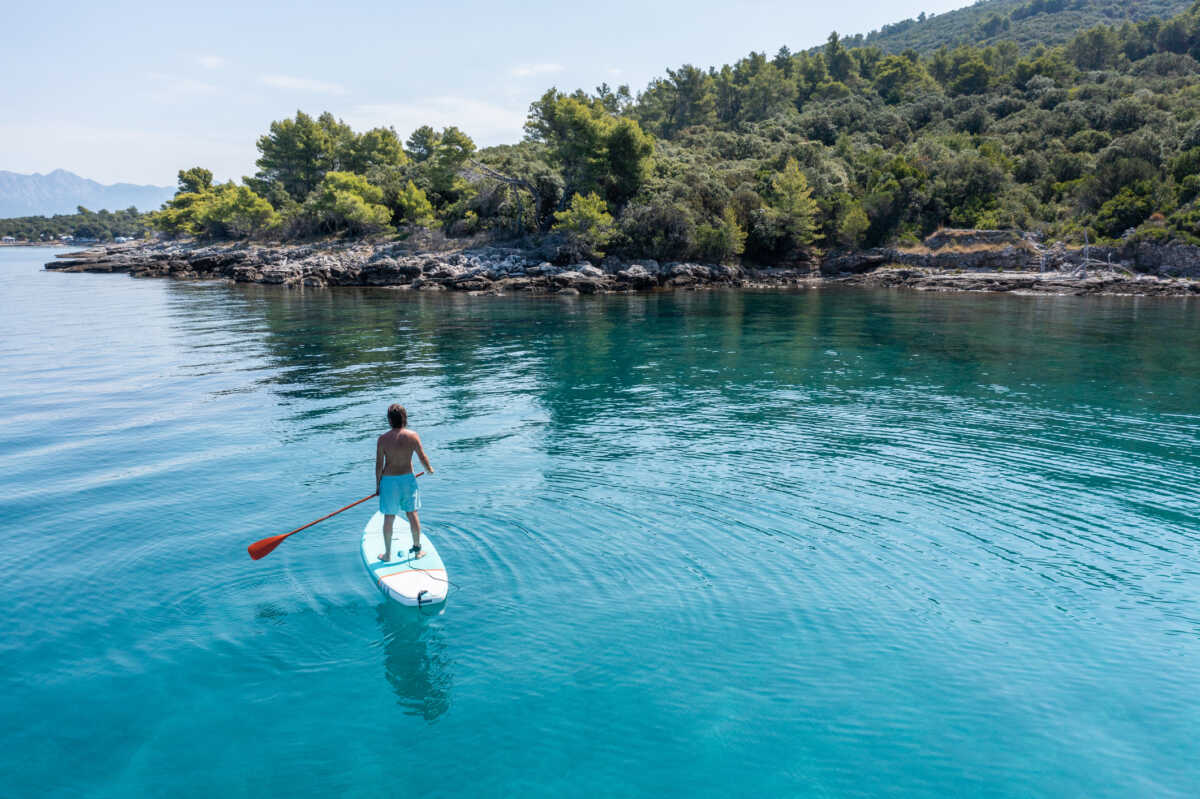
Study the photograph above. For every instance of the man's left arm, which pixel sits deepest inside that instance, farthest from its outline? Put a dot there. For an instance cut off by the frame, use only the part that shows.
(379, 458)
(421, 454)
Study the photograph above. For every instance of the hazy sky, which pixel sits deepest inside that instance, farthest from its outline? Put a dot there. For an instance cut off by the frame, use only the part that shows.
(131, 91)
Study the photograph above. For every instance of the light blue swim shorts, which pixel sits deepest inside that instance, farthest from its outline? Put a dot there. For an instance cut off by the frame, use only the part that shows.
(398, 494)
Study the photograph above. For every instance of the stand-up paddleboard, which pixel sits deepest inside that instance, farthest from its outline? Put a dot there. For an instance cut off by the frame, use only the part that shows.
(418, 582)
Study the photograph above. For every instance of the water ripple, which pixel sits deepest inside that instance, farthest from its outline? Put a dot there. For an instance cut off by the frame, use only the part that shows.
(952, 537)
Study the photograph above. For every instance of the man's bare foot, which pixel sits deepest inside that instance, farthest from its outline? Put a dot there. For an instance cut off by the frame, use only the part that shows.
(416, 552)
(384, 557)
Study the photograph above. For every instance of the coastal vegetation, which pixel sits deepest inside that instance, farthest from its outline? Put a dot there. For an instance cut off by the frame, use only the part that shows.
(83, 224)
(844, 146)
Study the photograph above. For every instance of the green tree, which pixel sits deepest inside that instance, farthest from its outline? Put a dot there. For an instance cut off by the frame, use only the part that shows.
(413, 207)
(343, 201)
(853, 226)
(453, 150)
(838, 59)
(571, 128)
(721, 241)
(224, 211)
(232, 211)
(1185, 164)
(1095, 48)
(586, 224)
(295, 154)
(1127, 210)
(374, 149)
(1177, 35)
(768, 92)
(596, 151)
(971, 76)
(614, 101)
(795, 208)
(195, 180)
(683, 99)
(993, 25)
(1185, 222)
(179, 215)
(628, 152)
(422, 143)
(898, 79)
(341, 141)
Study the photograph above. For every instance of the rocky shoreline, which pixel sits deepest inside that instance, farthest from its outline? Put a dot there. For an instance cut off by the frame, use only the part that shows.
(994, 261)
(489, 270)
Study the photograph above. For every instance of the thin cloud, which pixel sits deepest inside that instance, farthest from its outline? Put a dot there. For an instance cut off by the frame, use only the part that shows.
(533, 70)
(484, 122)
(211, 61)
(167, 84)
(301, 84)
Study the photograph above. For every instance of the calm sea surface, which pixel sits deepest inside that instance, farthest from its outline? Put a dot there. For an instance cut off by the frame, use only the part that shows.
(714, 544)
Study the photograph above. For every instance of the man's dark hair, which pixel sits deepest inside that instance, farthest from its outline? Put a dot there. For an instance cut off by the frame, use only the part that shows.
(397, 416)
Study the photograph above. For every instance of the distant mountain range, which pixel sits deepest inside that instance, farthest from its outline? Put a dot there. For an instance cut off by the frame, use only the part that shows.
(60, 192)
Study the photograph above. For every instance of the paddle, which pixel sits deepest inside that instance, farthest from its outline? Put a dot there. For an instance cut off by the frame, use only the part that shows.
(260, 549)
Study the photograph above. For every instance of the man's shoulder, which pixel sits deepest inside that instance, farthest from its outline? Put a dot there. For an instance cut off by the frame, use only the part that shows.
(394, 436)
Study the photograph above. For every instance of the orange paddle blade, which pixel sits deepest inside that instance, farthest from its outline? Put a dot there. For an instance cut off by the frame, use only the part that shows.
(260, 549)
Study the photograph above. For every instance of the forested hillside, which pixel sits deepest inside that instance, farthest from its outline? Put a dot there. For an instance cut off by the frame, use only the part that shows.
(83, 224)
(772, 156)
(1026, 22)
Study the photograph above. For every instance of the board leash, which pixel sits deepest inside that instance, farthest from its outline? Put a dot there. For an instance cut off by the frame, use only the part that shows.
(432, 576)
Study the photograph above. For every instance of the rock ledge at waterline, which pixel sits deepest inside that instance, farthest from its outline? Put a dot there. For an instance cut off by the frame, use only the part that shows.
(998, 261)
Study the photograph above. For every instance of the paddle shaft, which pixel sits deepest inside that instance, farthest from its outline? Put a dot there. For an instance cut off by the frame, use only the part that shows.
(335, 513)
(261, 548)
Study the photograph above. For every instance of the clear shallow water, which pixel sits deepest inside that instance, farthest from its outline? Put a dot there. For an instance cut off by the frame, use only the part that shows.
(712, 544)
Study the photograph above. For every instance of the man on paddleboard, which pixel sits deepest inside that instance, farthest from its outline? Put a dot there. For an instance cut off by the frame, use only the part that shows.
(394, 478)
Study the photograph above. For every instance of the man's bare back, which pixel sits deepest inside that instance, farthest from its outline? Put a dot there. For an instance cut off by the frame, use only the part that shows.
(394, 451)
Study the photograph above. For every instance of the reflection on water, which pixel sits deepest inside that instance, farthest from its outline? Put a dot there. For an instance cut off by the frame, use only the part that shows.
(416, 662)
(606, 353)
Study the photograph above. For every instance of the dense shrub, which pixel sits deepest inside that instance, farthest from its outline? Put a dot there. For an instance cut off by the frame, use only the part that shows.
(224, 211)
(586, 224)
(343, 202)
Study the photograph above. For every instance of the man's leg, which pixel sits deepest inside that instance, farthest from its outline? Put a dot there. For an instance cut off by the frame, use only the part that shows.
(414, 524)
(387, 538)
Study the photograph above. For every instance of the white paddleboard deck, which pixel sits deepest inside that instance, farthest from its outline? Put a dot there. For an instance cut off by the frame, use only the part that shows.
(416, 582)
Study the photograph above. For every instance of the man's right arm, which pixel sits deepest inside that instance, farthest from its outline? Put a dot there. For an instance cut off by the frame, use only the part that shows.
(421, 454)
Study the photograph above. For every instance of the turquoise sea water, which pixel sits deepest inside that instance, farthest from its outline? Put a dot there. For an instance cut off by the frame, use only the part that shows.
(835, 543)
